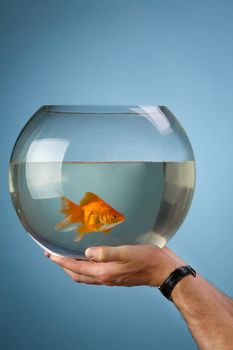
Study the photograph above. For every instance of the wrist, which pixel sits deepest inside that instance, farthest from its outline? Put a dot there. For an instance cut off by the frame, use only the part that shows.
(182, 291)
(159, 275)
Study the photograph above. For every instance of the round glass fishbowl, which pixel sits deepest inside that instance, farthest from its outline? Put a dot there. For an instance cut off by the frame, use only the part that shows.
(84, 176)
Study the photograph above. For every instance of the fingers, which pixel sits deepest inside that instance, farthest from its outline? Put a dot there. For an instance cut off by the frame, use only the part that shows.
(85, 271)
(81, 278)
(100, 254)
(107, 254)
(77, 266)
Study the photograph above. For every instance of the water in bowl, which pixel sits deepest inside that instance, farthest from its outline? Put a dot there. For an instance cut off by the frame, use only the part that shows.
(153, 196)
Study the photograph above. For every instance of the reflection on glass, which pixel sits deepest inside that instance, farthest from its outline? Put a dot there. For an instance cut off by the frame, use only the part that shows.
(44, 167)
(156, 117)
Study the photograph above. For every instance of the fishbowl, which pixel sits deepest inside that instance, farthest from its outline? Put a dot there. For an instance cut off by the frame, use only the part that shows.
(83, 176)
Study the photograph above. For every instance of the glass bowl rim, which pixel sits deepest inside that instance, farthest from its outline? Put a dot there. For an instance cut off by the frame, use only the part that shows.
(97, 109)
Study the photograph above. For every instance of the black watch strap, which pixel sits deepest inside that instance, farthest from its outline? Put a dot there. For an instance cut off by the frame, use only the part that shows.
(168, 285)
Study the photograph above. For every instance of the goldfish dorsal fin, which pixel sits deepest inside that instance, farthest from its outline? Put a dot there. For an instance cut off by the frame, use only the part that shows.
(88, 198)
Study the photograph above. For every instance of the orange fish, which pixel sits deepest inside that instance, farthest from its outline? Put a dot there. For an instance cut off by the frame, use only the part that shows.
(92, 214)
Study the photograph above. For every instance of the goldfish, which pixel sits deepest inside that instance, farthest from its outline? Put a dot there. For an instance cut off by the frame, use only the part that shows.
(92, 214)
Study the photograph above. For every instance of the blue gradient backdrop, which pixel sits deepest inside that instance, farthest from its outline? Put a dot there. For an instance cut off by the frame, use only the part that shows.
(176, 53)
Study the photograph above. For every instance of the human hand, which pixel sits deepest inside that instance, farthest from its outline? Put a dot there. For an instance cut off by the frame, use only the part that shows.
(127, 265)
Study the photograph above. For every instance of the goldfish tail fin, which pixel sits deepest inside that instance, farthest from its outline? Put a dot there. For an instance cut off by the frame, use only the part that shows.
(63, 224)
(67, 206)
(73, 211)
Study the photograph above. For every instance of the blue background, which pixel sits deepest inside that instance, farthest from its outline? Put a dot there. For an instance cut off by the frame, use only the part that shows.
(175, 53)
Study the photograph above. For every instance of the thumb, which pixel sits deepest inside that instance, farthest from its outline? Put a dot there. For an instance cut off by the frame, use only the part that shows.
(105, 253)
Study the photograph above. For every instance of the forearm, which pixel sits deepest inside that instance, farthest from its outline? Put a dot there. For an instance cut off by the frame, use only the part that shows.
(207, 311)
(223, 299)
(226, 301)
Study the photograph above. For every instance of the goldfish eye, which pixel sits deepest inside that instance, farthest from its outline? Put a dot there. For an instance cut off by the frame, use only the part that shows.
(114, 216)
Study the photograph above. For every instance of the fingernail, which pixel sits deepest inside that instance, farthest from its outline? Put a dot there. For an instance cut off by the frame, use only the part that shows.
(91, 253)
(54, 258)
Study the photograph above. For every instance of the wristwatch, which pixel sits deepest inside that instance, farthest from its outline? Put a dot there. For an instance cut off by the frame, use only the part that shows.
(169, 284)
